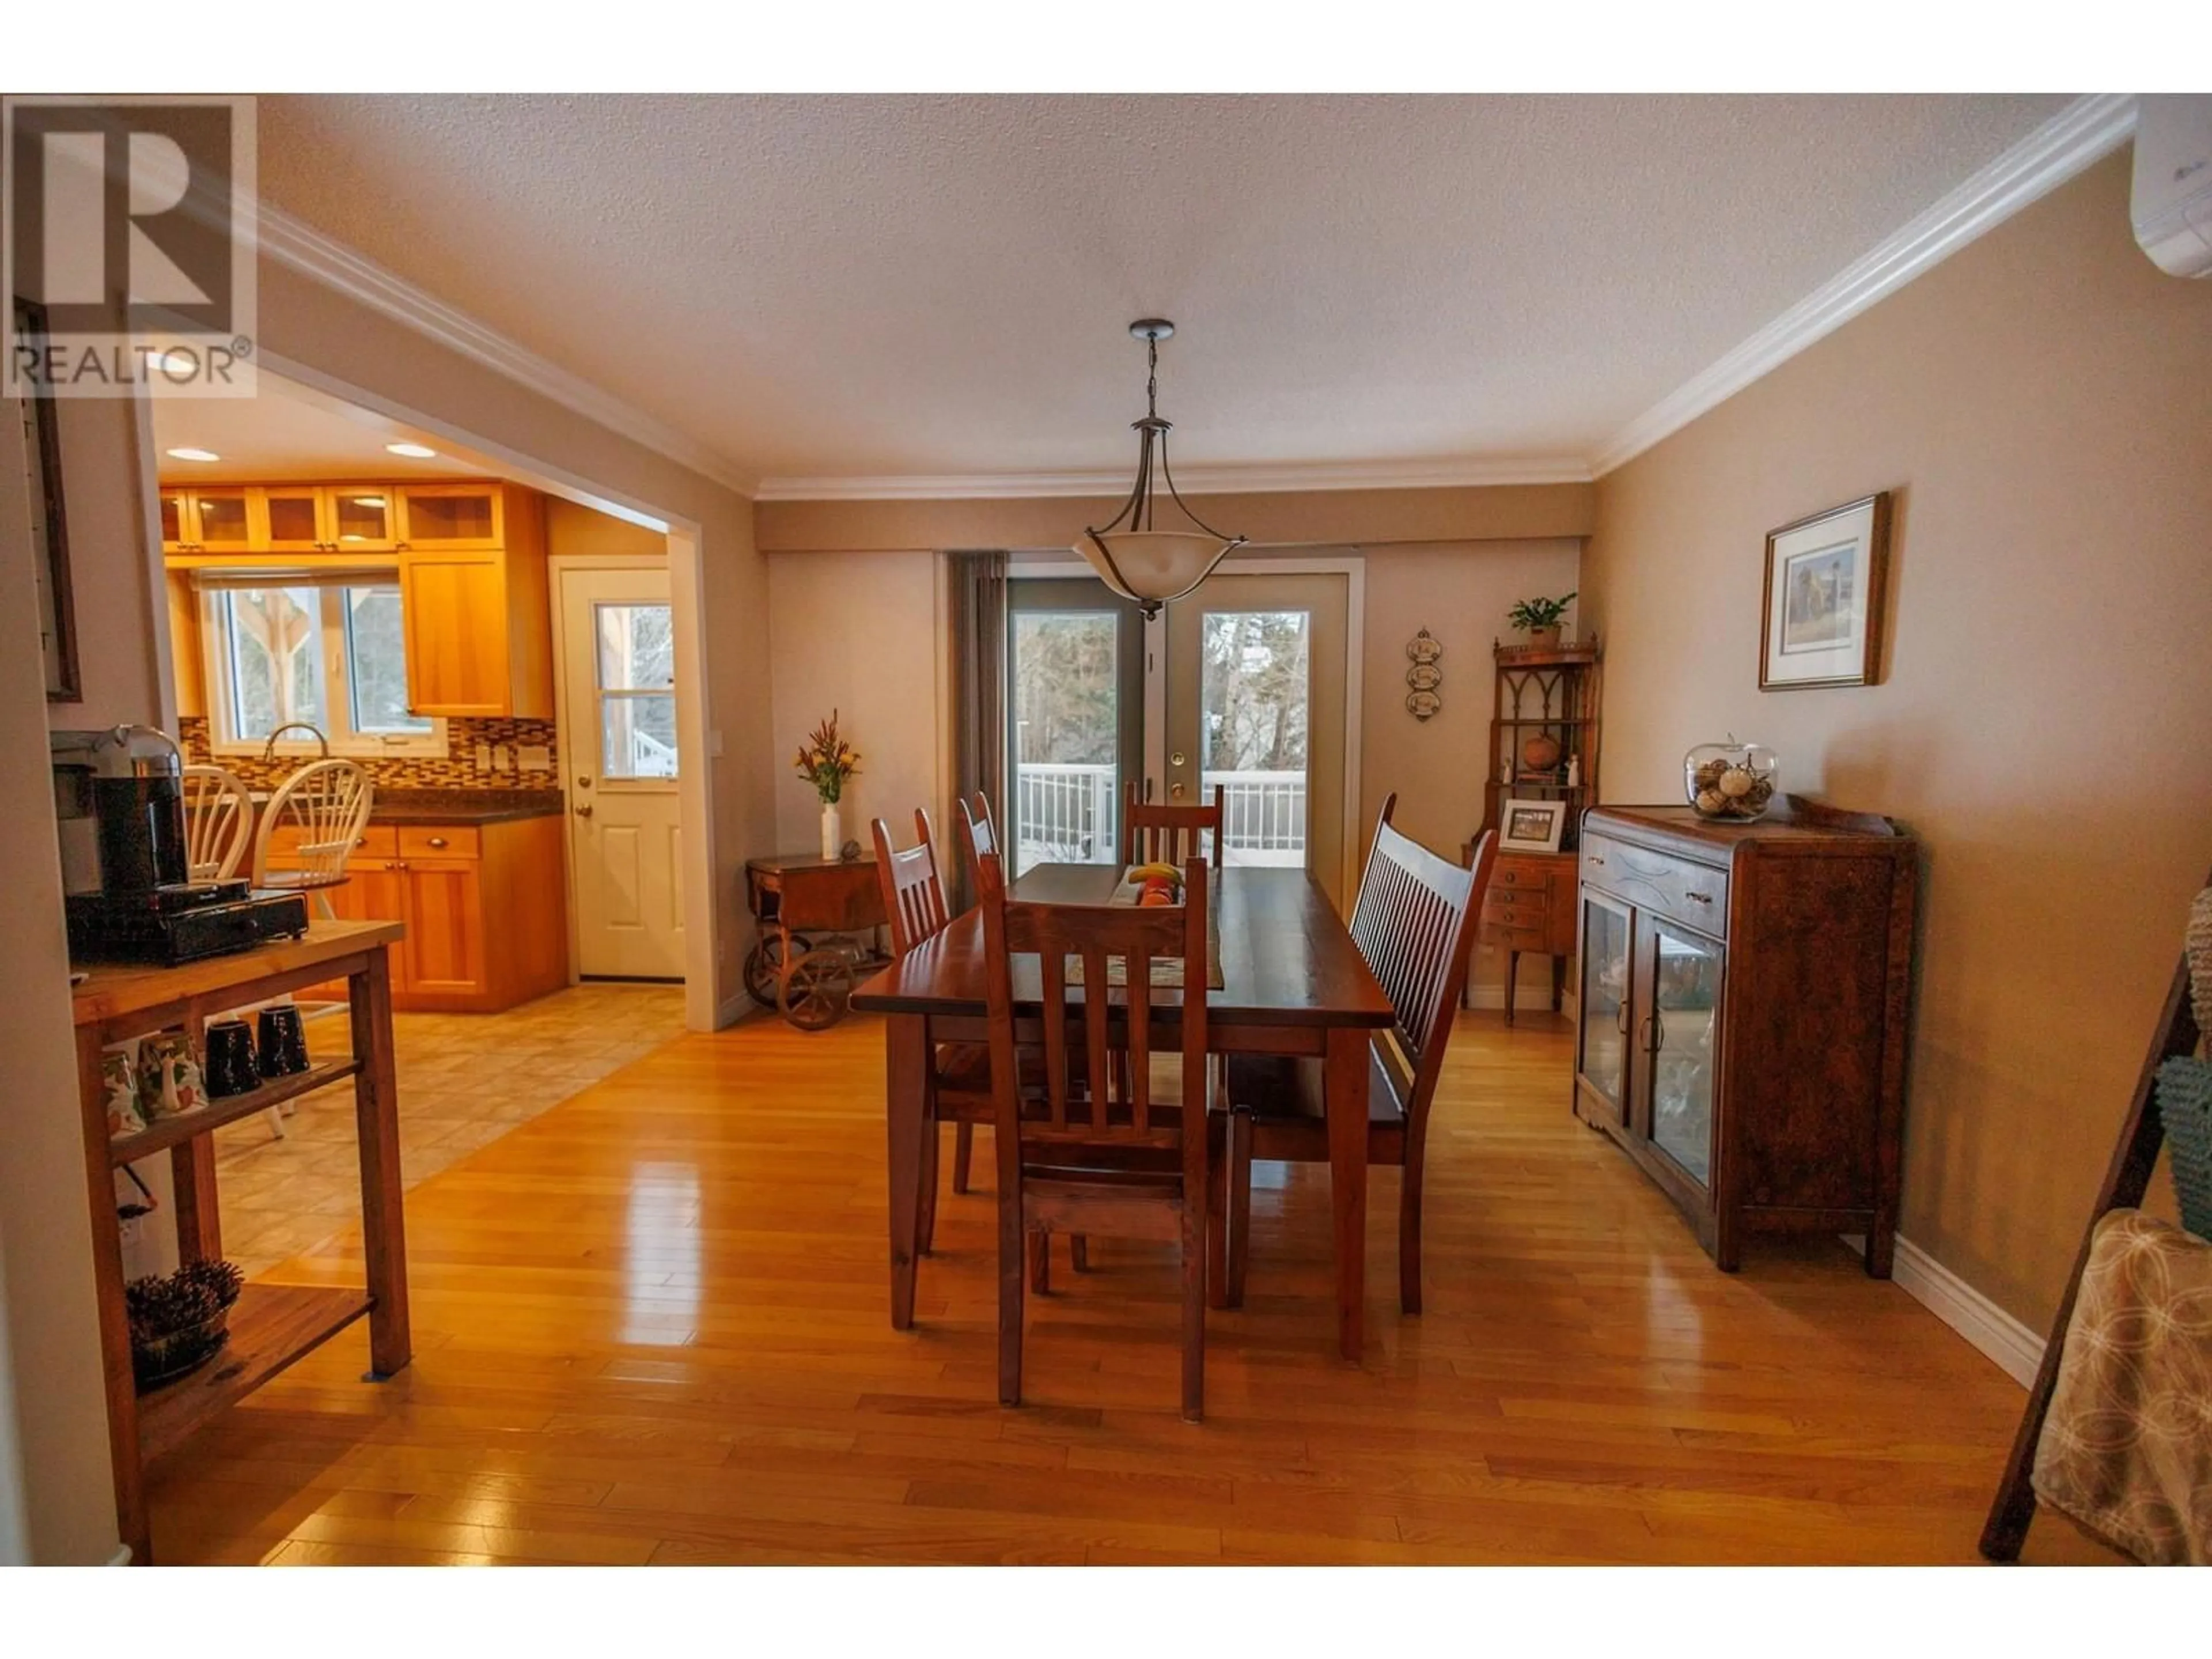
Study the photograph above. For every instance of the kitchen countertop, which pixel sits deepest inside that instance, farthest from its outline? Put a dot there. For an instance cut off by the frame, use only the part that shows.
(462, 805)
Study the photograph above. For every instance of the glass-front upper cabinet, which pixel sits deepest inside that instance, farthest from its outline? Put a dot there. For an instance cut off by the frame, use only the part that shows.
(176, 514)
(1684, 973)
(361, 517)
(293, 516)
(220, 521)
(1603, 1060)
(451, 516)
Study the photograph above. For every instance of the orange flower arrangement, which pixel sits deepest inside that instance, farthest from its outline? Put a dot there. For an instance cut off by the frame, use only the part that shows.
(826, 760)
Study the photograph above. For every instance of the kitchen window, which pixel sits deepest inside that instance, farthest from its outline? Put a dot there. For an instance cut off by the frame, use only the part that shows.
(325, 648)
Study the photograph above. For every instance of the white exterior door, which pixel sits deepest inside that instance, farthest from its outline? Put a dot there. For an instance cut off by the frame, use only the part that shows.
(618, 748)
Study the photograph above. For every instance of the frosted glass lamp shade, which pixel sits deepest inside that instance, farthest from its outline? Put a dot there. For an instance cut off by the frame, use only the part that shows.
(1152, 567)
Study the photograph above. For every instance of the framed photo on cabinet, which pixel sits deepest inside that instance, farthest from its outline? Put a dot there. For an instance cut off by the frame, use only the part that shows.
(1823, 610)
(1532, 826)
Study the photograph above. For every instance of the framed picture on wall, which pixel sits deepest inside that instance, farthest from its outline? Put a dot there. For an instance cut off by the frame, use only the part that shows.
(42, 469)
(1825, 581)
(1532, 826)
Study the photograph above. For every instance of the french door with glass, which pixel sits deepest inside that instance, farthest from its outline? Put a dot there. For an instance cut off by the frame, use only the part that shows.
(1075, 698)
(1255, 708)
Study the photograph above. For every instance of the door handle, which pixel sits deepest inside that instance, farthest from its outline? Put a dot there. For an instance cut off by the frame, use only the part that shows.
(583, 811)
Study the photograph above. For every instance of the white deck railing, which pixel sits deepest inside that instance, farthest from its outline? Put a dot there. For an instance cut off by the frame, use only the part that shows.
(1066, 815)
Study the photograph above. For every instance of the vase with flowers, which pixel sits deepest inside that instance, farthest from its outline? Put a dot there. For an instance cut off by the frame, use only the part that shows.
(825, 761)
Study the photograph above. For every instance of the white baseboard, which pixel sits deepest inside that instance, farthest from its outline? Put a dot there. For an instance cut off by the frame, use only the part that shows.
(1527, 999)
(2016, 1350)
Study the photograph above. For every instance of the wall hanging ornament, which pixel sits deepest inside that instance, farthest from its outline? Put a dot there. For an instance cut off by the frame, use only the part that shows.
(1424, 676)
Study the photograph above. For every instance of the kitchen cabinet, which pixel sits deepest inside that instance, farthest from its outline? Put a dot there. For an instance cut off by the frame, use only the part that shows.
(475, 606)
(209, 517)
(453, 517)
(478, 622)
(446, 882)
(1742, 1020)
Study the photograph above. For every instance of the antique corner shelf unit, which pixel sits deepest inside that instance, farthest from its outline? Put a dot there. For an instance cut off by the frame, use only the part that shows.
(1541, 693)
(1742, 1015)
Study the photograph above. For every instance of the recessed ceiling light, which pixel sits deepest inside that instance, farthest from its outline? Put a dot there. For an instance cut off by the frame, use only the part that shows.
(413, 452)
(194, 455)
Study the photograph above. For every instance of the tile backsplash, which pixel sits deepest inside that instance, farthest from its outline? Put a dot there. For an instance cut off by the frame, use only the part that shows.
(456, 770)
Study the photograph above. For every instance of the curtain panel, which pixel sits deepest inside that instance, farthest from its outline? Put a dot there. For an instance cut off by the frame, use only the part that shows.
(979, 682)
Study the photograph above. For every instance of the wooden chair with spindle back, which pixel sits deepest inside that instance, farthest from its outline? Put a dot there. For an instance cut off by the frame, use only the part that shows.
(1414, 922)
(1085, 1148)
(218, 822)
(914, 901)
(1152, 833)
(324, 806)
(979, 832)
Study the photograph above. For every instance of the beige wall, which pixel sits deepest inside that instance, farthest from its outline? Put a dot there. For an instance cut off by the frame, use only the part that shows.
(1459, 593)
(857, 632)
(56, 1503)
(2042, 403)
(579, 532)
(1272, 519)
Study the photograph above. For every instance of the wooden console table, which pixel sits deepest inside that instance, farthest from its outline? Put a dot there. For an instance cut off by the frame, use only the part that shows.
(271, 1325)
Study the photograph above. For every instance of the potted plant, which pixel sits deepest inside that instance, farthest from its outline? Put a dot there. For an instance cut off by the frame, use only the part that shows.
(1540, 620)
(825, 761)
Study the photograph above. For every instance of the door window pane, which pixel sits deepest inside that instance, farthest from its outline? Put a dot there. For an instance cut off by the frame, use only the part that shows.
(376, 658)
(274, 640)
(637, 735)
(637, 647)
(1253, 691)
(1685, 987)
(1067, 726)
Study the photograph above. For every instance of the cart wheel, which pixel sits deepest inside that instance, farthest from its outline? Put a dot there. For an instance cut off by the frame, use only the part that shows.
(817, 989)
(764, 965)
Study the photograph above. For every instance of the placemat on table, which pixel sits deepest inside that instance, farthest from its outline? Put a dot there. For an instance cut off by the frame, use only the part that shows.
(1167, 971)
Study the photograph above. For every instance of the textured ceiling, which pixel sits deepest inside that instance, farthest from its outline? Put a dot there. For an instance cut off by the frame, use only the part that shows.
(821, 286)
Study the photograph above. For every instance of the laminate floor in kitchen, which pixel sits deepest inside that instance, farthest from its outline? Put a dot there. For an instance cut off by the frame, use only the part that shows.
(653, 1326)
(465, 1080)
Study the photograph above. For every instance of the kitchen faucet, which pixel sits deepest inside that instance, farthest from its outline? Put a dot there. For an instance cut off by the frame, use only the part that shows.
(268, 749)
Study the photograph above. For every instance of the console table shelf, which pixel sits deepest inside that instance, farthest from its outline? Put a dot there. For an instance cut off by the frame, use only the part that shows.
(270, 1326)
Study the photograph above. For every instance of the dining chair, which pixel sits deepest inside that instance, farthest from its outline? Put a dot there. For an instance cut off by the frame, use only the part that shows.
(218, 822)
(1414, 922)
(327, 802)
(1086, 1148)
(979, 831)
(960, 1091)
(1153, 834)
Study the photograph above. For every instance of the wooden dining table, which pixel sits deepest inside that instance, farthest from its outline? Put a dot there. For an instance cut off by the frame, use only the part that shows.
(1292, 983)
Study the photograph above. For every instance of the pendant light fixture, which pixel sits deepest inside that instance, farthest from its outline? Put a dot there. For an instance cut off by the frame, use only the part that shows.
(1154, 568)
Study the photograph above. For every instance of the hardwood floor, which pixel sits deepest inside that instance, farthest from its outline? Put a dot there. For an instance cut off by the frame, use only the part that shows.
(651, 1326)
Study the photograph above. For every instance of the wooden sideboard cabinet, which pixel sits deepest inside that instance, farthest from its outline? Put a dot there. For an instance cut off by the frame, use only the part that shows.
(1742, 1021)
(1529, 906)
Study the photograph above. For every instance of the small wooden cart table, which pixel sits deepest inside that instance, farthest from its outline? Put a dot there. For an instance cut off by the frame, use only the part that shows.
(271, 1325)
(793, 895)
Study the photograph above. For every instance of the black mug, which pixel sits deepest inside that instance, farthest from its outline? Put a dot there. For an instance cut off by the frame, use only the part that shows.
(231, 1066)
(283, 1041)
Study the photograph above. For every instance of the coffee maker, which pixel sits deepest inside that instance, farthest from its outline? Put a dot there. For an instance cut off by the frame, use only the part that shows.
(126, 872)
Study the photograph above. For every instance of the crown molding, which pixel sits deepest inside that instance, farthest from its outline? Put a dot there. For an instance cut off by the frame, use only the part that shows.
(1198, 480)
(2085, 131)
(323, 258)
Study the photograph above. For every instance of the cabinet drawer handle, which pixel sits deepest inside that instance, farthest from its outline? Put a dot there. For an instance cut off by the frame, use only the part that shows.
(361, 841)
(1597, 858)
(437, 840)
(1702, 898)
